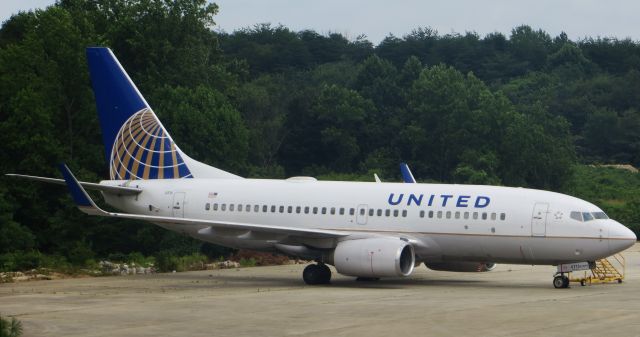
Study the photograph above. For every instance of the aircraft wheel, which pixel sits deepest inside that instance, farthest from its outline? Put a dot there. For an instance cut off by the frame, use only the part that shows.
(565, 282)
(316, 274)
(561, 281)
(583, 282)
(325, 273)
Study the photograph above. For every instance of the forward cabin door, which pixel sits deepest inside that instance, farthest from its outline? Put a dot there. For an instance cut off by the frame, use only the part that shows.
(178, 205)
(539, 219)
(361, 214)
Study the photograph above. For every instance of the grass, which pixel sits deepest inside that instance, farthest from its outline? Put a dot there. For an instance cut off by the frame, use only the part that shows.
(10, 328)
(614, 190)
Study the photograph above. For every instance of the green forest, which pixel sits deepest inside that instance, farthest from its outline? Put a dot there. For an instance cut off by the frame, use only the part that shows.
(524, 109)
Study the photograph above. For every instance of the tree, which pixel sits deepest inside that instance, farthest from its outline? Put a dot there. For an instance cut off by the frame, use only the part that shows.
(220, 138)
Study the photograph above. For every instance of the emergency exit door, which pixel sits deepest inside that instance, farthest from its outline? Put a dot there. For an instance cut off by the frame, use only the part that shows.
(361, 214)
(539, 219)
(178, 205)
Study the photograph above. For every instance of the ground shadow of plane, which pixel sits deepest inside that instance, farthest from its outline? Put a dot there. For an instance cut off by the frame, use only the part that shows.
(287, 282)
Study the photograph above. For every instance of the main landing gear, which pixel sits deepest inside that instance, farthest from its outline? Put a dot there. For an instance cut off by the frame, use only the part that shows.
(316, 274)
(561, 281)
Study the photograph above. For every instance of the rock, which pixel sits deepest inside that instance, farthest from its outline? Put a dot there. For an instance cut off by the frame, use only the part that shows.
(228, 264)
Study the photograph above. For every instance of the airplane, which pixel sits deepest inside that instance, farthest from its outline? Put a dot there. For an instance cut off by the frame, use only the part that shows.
(368, 230)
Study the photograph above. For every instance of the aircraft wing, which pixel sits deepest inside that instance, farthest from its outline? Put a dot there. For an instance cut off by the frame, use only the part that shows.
(121, 190)
(86, 205)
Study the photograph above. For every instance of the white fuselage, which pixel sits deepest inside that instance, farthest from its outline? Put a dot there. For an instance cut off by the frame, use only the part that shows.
(443, 222)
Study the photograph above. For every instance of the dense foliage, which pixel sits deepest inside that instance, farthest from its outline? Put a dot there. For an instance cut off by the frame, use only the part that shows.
(266, 101)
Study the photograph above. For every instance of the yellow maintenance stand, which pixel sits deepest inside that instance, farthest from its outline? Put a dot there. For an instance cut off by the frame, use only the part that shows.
(611, 269)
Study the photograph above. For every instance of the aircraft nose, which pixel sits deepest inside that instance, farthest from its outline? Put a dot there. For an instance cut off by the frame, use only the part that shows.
(620, 237)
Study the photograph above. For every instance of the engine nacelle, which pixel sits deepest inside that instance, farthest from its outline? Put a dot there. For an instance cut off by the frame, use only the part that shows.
(375, 257)
(461, 266)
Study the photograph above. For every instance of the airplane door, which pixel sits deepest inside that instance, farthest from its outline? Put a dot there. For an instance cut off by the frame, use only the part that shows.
(178, 205)
(539, 219)
(361, 214)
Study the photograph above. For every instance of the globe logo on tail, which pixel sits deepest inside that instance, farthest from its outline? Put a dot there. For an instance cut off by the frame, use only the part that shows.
(142, 149)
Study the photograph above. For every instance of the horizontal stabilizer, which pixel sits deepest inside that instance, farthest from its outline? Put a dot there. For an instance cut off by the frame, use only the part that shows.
(120, 190)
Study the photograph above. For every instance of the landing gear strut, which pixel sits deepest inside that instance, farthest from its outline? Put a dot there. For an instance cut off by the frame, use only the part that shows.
(316, 274)
(561, 281)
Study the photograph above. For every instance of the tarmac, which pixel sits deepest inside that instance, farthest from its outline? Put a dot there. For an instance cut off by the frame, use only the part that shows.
(511, 300)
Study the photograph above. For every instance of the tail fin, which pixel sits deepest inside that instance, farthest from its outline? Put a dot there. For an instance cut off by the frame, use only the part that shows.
(136, 144)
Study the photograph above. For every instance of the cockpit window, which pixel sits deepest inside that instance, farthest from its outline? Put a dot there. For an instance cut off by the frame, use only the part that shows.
(587, 216)
(600, 215)
(576, 216)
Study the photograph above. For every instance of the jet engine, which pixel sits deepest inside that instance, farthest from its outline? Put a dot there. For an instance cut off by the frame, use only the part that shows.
(461, 266)
(375, 257)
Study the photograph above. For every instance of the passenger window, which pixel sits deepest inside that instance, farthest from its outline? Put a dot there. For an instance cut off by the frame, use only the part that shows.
(352, 211)
(256, 208)
(223, 207)
(362, 211)
(298, 209)
(231, 207)
(315, 210)
(371, 210)
(404, 213)
(493, 216)
(431, 214)
(207, 206)
(324, 210)
(503, 216)
(379, 212)
(457, 216)
(289, 209)
(466, 215)
(387, 212)
(215, 207)
(281, 209)
(341, 210)
(306, 209)
(439, 214)
(265, 208)
(448, 214)
(273, 208)
(484, 216)
(587, 216)
(333, 210)
(576, 216)
(475, 215)
(422, 214)
(395, 213)
(240, 208)
(247, 208)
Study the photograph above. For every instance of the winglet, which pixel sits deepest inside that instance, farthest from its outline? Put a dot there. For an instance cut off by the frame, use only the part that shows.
(80, 196)
(407, 176)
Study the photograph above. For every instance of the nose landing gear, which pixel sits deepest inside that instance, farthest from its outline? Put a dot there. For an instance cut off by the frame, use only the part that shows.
(561, 281)
(316, 274)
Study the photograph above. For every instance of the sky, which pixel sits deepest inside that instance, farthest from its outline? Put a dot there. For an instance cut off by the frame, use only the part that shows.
(377, 18)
